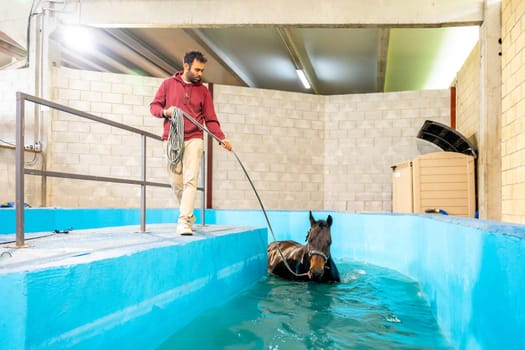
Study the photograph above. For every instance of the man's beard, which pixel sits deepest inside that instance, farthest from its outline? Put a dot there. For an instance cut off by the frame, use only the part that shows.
(193, 78)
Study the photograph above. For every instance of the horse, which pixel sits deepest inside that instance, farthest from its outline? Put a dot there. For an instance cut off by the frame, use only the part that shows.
(310, 262)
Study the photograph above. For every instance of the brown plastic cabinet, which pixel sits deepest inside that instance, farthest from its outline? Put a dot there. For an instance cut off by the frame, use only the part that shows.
(402, 199)
(433, 181)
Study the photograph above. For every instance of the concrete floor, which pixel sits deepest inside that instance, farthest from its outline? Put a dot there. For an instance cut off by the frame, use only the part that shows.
(48, 249)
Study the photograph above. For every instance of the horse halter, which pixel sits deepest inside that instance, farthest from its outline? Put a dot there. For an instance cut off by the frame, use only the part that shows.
(318, 252)
(315, 251)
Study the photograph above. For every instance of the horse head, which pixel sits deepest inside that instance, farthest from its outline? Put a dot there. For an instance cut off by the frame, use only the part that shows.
(318, 244)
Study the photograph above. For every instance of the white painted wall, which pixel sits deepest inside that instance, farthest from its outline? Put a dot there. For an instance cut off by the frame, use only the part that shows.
(302, 151)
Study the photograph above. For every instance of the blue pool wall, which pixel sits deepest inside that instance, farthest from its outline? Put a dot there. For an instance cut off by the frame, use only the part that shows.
(50, 219)
(128, 302)
(471, 271)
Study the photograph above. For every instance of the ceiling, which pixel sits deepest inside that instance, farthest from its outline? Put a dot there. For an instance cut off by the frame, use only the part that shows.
(335, 60)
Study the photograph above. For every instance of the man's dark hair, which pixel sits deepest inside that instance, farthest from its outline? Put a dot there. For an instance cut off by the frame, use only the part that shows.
(194, 55)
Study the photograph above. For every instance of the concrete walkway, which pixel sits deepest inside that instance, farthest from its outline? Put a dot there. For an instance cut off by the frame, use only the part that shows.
(49, 249)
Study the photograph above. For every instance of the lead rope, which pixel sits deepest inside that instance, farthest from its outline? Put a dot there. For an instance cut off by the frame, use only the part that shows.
(175, 147)
(176, 118)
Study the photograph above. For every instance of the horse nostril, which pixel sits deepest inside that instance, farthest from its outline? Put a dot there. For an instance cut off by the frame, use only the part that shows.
(316, 273)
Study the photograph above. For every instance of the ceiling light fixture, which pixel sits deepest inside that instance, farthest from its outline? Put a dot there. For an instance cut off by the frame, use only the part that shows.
(303, 79)
(78, 38)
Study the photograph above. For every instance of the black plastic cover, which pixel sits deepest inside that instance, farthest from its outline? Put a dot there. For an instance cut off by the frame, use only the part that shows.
(446, 138)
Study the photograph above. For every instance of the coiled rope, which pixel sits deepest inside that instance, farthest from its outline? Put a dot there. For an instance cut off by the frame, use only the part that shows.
(174, 145)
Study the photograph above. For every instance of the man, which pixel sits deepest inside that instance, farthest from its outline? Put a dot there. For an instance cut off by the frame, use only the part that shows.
(185, 91)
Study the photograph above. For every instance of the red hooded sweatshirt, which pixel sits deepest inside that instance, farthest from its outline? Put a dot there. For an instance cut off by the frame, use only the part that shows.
(194, 99)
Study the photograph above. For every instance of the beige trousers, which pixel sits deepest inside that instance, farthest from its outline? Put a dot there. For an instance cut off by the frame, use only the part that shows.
(184, 176)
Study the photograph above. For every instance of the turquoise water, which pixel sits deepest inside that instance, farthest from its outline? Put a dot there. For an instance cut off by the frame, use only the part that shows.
(372, 308)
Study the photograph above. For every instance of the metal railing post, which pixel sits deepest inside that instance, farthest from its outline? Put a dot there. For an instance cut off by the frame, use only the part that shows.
(203, 179)
(19, 203)
(143, 187)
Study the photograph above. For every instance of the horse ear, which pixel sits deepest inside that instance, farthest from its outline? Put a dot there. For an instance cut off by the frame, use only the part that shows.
(329, 220)
(312, 220)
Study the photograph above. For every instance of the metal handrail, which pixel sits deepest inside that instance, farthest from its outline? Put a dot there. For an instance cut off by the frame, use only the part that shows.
(21, 98)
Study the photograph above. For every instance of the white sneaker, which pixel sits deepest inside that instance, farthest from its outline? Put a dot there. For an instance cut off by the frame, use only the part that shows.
(192, 221)
(183, 228)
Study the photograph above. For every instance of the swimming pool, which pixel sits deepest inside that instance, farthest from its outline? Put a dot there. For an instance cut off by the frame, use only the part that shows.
(470, 271)
(372, 308)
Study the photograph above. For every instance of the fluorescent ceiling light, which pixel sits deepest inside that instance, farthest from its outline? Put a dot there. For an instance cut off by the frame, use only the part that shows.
(78, 38)
(303, 79)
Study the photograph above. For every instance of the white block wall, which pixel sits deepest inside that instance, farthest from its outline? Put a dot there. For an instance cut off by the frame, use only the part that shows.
(319, 152)
(302, 151)
(468, 96)
(81, 146)
(12, 81)
(279, 138)
(513, 110)
(365, 134)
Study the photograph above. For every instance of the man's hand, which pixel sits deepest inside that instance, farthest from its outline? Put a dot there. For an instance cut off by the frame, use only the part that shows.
(226, 144)
(166, 113)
